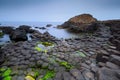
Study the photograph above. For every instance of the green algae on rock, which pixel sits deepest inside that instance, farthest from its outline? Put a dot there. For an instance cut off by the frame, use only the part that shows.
(6, 73)
(48, 75)
(47, 44)
(66, 65)
(29, 78)
(34, 73)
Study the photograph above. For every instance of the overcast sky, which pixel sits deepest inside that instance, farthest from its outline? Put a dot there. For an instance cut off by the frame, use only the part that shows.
(57, 10)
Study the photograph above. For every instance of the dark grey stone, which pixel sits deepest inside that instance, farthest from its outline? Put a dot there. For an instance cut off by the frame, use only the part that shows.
(77, 74)
(58, 76)
(67, 76)
(115, 59)
(108, 74)
(45, 65)
(112, 65)
(85, 65)
(88, 75)
(21, 77)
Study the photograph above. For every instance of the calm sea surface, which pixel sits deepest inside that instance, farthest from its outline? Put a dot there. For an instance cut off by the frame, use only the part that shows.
(58, 33)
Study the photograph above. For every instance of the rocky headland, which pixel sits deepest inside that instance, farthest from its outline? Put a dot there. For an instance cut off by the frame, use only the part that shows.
(81, 23)
(95, 55)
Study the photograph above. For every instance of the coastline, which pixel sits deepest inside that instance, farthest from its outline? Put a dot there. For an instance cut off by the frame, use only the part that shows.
(83, 58)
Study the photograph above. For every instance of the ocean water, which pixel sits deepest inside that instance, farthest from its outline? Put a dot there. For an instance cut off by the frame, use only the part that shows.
(58, 33)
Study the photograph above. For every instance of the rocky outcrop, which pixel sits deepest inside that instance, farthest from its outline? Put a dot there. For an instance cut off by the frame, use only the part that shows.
(71, 59)
(84, 18)
(115, 31)
(48, 25)
(6, 29)
(81, 23)
(26, 28)
(43, 37)
(18, 35)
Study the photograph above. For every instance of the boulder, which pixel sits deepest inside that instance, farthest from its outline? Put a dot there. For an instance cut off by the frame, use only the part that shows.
(47, 37)
(43, 37)
(81, 23)
(6, 29)
(48, 25)
(42, 28)
(26, 28)
(83, 18)
(18, 35)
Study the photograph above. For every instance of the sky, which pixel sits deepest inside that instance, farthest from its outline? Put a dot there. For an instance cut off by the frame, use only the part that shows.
(57, 10)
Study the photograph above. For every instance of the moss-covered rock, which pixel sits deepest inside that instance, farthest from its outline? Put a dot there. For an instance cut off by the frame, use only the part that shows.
(44, 46)
(6, 73)
(48, 75)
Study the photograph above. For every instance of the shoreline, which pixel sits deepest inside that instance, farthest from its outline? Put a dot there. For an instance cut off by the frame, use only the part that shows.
(89, 57)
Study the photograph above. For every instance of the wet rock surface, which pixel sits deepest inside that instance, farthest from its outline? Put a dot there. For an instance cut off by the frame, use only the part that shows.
(90, 57)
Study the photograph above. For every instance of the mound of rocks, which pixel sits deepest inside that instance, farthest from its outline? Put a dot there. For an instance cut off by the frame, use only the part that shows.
(81, 23)
(43, 37)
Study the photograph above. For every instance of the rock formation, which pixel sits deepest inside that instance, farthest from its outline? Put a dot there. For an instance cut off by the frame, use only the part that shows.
(18, 35)
(81, 23)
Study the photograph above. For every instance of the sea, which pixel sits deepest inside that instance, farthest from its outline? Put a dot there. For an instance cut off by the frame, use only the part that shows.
(53, 30)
